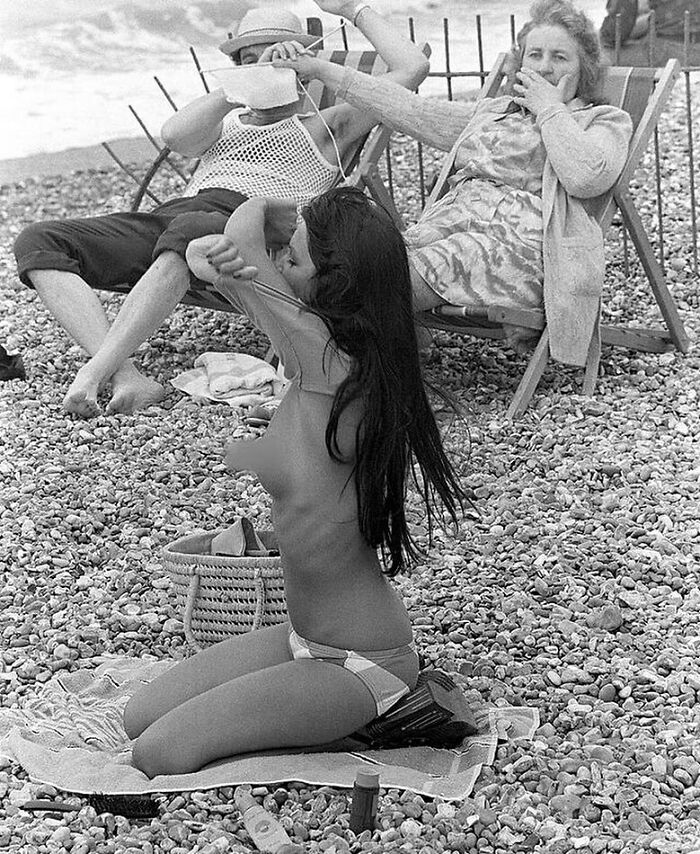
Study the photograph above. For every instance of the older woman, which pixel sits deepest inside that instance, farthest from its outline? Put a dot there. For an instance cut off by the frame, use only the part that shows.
(516, 226)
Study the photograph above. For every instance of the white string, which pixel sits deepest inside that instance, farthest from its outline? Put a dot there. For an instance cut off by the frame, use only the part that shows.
(308, 47)
(330, 132)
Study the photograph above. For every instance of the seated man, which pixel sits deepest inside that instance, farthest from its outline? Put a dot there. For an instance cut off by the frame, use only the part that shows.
(635, 23)
(275, 152)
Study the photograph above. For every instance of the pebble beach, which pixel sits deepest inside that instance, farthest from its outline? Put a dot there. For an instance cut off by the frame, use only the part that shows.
(574, 589)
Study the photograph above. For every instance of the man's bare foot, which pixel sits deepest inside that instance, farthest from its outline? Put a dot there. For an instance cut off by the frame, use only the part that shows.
(81, 397)
(134, 392)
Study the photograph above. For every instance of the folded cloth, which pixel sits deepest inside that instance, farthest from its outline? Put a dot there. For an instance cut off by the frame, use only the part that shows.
(234, 378)
(228, 372)
(239, 539)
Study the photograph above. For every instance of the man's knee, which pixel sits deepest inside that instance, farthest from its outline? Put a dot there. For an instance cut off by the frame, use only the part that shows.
(186, 227)
(43, 246)
(34, 238)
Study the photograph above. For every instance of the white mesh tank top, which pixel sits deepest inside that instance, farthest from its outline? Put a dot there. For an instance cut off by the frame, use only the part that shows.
(279, 160)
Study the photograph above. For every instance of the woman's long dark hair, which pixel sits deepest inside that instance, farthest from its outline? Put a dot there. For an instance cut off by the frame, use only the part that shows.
(363, 294)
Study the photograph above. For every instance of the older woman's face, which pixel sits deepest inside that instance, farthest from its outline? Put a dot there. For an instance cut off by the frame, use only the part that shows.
(552, 53)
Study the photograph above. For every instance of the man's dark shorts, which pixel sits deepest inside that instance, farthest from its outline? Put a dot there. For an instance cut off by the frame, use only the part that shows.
(115, 250)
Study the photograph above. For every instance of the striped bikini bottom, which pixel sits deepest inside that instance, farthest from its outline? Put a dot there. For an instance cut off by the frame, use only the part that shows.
(373, 668)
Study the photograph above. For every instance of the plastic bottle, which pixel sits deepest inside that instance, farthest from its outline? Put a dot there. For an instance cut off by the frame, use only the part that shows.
(365, 799)
(264, 829)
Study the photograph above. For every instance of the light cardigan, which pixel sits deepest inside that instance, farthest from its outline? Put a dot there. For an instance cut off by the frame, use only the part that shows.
(586, 149)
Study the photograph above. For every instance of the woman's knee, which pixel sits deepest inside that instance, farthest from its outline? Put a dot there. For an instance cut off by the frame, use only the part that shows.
(136, 718)
(155, 752)
(424, 297)
(148, 754)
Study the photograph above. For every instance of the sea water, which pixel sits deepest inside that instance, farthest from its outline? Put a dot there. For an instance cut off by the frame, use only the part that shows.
(70, 68)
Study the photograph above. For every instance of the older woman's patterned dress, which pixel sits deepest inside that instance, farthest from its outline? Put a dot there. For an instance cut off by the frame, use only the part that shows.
(481, 243)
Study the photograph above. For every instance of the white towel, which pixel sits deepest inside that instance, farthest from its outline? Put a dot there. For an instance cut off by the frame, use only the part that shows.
(234, 378)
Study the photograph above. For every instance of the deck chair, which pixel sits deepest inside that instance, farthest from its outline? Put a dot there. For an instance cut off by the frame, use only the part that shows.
(359, 161)
(642, 92)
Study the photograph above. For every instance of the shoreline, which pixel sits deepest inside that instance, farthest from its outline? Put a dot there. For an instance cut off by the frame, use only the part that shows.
(136, 150)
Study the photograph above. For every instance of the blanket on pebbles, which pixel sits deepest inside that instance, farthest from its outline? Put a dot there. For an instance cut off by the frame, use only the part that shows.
(70, 735)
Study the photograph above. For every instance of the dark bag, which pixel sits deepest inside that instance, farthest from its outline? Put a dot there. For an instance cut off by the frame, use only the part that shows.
(11, 367)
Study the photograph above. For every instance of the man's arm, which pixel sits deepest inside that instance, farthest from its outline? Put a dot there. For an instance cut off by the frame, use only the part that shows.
(197, 126)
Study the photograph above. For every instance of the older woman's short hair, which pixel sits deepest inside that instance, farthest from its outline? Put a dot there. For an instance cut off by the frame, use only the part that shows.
(562, 13)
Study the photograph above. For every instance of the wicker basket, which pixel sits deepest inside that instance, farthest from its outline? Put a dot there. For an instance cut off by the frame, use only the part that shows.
(221, 595)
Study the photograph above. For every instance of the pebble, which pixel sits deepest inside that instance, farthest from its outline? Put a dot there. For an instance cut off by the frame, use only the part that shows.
(574, 673)
(572, 591)
(609, 618)
(607, 693)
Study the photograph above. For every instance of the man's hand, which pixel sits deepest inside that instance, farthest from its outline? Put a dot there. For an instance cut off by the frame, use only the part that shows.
(534, 93)
(283, 50)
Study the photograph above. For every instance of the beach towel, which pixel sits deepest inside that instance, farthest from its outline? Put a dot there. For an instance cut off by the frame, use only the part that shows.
(70, 735)
(234, 378)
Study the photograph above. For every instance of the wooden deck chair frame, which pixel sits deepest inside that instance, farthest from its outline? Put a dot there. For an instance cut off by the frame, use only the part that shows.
(360, 160)
(643, 92)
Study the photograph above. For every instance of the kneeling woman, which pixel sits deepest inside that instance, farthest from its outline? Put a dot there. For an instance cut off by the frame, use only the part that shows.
(335, 459)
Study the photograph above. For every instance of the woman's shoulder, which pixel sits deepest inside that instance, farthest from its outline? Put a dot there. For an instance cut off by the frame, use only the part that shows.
(601, 113)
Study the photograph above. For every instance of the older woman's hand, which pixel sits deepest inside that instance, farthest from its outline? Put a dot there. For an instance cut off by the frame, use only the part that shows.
(535, 93)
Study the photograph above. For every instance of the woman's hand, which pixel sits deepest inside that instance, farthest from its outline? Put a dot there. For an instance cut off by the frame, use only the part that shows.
(342, 8)
(534, 93)
(224, 256)
(215, 257)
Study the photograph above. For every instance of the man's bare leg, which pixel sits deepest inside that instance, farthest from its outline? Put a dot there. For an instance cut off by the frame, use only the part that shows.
(145, 307)
(77, 308)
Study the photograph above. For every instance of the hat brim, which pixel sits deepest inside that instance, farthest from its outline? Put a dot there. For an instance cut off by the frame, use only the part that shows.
(235, 45)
